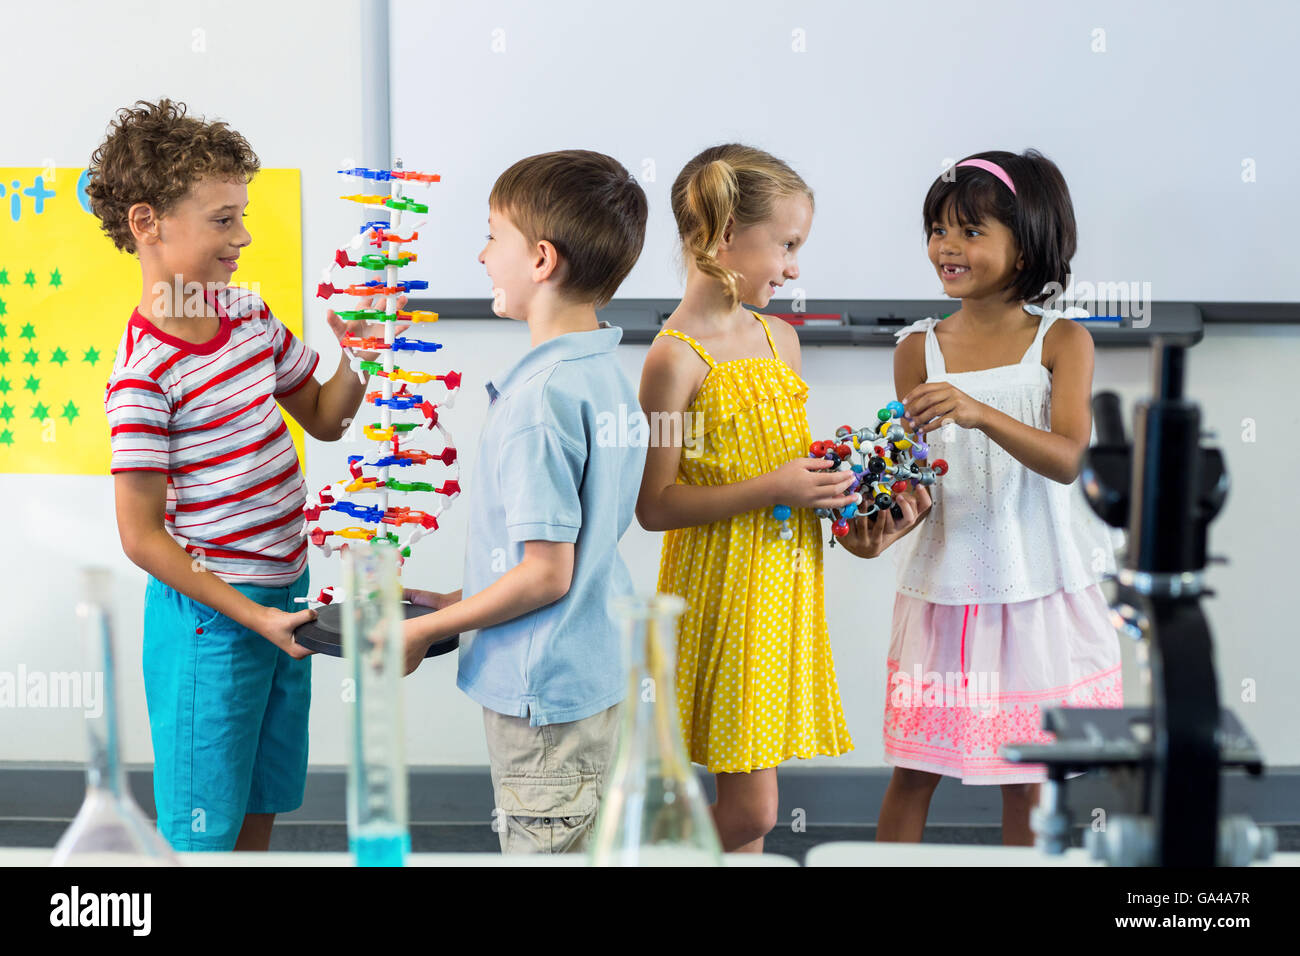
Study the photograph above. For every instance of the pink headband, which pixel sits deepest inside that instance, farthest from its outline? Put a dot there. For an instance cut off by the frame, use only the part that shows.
(989, 167)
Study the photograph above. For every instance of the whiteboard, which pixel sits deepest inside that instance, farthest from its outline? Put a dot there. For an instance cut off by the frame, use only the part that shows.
(1174, 124)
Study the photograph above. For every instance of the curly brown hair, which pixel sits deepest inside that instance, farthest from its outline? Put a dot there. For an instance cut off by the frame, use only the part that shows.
(153, 154)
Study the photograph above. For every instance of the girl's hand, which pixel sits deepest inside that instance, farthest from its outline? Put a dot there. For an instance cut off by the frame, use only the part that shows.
(933, 404)
(804, 483)
(868, 539)
(363, 329)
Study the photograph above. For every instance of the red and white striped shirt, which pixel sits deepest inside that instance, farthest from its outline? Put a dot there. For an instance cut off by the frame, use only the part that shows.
(206, 416)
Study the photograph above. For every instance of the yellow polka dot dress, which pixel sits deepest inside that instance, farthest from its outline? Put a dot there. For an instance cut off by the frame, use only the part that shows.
(755, 679)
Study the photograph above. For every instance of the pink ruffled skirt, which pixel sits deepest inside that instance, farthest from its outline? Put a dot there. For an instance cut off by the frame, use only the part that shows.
(966, 679)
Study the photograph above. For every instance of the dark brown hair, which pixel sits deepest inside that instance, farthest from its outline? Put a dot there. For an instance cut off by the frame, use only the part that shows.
(1039, 214)
(154, 153)
(588, 206)
(728, 182)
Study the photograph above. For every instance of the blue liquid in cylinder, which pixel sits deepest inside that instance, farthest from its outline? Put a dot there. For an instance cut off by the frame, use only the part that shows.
(380, 846)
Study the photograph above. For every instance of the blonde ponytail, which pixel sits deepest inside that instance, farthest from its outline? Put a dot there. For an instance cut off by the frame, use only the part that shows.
(729, 183)
(711, 196)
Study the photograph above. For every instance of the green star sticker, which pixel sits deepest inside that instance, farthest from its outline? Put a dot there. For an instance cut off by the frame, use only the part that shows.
(40, 412)
(6, 438)
(31, 357)
(4, 276)
(28, 332)
(92, 355)
(70, 412)
(4, 356)
(3, 307)
(32, 384)
(56, 280)
(58, 357)
(4, 386)
(30, 278)
(6, 411)
(4, 331)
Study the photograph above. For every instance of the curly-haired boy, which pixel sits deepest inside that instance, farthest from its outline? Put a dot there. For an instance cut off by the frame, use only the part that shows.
(209, 492)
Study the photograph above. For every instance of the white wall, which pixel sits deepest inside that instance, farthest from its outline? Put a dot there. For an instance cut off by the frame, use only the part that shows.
(1149, 108)
(282, 94)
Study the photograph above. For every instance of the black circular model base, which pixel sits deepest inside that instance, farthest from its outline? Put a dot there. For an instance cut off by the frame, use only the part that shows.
(325, 634)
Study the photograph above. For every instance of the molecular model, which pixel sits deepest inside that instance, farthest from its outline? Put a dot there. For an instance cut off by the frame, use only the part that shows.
(380, 519)
(891, 462)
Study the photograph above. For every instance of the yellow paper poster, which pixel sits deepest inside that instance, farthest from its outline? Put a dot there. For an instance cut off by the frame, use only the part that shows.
(66, 294)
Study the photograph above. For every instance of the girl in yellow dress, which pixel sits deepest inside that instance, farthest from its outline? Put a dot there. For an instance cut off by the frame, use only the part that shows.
(755, 679)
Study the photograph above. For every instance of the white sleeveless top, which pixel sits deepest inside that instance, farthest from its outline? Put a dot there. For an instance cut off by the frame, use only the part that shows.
(999, 533)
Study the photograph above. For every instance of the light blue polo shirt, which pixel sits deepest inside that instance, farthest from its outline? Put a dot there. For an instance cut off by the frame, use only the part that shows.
(547, 470)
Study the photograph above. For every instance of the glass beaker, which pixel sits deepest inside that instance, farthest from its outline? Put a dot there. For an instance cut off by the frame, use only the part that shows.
(653, 812)
(378, 833)
(110, 829)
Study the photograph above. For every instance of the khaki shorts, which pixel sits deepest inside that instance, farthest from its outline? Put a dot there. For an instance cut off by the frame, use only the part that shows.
(547, 781)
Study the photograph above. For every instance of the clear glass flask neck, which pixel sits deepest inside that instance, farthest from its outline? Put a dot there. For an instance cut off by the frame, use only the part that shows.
(104, 769)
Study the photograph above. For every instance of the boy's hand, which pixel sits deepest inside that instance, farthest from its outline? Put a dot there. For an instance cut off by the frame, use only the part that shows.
(363, 329)
(278, 626)
(868, 539)
(803, 483)
(416, 641)
(416, 633)
(432, 599)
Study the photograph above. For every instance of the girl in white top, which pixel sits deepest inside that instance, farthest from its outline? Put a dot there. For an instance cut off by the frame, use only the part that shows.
(998, 612)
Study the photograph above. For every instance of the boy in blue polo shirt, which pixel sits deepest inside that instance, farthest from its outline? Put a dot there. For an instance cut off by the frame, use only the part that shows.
(549, 502)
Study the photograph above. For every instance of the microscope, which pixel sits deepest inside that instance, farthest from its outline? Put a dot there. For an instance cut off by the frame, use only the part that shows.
(1165, 760)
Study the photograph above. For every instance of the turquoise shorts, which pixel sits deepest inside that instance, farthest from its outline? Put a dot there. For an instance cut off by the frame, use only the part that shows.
(227, 713)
